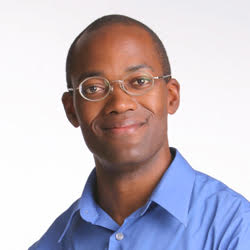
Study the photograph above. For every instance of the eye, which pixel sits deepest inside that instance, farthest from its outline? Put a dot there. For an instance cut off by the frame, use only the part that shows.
(141, 82)
(94, 86)
(92, 89)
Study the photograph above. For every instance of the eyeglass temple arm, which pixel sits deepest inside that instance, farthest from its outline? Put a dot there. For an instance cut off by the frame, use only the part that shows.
(162, 77)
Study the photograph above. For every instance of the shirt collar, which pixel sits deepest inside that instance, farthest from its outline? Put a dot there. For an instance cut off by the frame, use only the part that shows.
(173, 192)
(86, 204)
(73, 209)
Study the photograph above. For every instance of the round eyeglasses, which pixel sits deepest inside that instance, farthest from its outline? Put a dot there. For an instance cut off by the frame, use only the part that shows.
(96, 88)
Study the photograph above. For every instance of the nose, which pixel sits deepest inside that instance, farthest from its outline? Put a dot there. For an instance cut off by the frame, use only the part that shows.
(118, 100)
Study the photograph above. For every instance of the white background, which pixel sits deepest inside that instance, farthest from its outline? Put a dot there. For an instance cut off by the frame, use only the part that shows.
(44, 161)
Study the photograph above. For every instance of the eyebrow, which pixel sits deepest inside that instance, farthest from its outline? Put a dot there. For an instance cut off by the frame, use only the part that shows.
(137, 67)
(89, 74)
(101, 73)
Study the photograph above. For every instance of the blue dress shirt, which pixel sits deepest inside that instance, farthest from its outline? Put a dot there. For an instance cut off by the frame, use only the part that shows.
(188, 210)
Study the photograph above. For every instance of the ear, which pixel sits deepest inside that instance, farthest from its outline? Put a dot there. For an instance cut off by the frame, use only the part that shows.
(173, 95)
(67, 100)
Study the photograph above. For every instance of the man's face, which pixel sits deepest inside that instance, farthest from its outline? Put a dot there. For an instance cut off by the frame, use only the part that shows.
(121, 130)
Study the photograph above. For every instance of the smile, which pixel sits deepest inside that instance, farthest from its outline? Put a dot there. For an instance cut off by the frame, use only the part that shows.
(129, 129)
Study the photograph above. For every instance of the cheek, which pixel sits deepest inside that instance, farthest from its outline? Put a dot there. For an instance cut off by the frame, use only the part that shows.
(86, 111)
(156, 103)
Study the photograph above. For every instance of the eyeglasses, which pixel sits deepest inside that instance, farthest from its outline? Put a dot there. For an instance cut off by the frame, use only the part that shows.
(97, 88)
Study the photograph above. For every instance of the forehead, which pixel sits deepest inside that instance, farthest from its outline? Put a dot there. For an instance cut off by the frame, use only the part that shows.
(113, 49)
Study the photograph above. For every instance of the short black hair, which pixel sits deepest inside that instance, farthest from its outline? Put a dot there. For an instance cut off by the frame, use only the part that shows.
(118, 19)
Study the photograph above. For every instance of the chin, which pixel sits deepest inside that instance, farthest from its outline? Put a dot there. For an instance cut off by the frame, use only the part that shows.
(121, 161)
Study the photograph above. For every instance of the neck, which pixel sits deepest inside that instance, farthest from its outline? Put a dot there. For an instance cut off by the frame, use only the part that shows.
(121, 193)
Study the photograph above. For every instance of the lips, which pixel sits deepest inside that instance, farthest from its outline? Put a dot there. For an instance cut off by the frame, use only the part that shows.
(122, 126)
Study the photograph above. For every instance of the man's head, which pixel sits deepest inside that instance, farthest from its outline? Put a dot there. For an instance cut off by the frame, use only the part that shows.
(118, 19)
(121, 130)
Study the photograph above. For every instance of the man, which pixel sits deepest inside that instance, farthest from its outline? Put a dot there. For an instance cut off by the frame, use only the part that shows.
(142, 194)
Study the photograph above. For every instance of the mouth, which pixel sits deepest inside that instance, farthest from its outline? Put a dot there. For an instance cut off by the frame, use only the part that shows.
(126, 127)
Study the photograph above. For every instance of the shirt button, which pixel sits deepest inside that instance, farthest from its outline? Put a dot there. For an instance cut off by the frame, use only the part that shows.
(119, 236)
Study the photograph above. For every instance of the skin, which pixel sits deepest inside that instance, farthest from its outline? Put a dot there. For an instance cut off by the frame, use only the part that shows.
(129, 161)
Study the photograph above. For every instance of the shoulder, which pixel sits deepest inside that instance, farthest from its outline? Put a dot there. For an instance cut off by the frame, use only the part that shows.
(50, 239)
(210, 189)
(223, 212)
